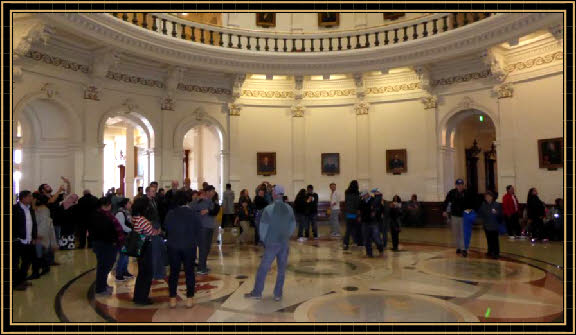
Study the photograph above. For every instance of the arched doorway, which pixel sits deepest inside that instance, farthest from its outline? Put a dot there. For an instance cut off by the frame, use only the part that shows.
(469, 151)
(46, 137)
(202, 159)
(128, 161)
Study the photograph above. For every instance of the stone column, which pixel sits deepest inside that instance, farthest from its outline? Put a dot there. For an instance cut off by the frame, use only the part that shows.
(363, 144)
(432, 171)
(298, 149)
(233, 154)
(506, 132)
(198, 159)
(129, 177)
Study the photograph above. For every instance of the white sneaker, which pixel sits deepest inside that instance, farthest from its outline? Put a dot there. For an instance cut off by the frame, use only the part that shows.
(302, 239)
(511, 237)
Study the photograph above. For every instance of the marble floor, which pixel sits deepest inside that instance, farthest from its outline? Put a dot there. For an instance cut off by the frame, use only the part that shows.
(424, 282)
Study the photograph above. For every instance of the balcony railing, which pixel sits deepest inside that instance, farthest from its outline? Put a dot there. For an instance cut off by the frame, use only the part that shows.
(296, 43)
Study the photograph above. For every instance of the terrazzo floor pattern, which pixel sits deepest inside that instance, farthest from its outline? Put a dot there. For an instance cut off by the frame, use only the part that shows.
(424, 282)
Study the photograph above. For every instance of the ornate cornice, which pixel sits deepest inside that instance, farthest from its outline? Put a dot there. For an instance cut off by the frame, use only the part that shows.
(267, 94)
(393, 88)
(537, 61)
(92, 93)
(297, 111)
(362, 108)
(430, 101)
(57, 61)
(504, 91)
(134, 79)
(462, 78)
(234, 109)
(203, 89)
(329, 93)
(132, 39)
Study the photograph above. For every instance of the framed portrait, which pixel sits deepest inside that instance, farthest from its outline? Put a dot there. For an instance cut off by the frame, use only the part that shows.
(266, 20)
(266, 163)
(396, 161)
(393, 16)
(551, 153)
(328, 19)
(330, 164)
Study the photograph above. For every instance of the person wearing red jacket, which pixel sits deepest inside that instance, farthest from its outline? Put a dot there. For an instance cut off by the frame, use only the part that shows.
(511, 210)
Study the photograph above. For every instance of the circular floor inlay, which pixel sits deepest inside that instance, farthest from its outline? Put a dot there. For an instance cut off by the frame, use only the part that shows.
(384, 306)
(480, 270)
(328, 267)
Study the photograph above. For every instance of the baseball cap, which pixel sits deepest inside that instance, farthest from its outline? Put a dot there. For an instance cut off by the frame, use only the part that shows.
(459, 181)
(278, 189)
(375, 190)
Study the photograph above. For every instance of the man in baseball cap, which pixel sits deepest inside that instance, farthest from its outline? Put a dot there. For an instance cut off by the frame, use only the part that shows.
(458, 201)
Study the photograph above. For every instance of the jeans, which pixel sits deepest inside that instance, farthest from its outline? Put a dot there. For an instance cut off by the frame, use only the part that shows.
(206, 235)
(122, 265)
(311, 221)
(145, 274)
(493, 242)
(278, 251)
(383, 231)
(257, 217)
(301, 220)
(457, 231)
(513, 225)
(105, 258)
(178, 257)
(371, 234)
(58, 232)
(334, 221)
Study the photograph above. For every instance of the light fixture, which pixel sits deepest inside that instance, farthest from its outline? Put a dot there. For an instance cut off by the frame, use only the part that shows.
(481, 118)
(184, 14)
(17, 156)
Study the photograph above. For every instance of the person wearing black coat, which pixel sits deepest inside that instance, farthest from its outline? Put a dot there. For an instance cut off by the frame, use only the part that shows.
(87, 205)
(299, 214)
(536, 213)
(183, 231)
(396, 216)
(458, 200)
(490, 213)
(369, 223)
(24, 234)
(311, 211)
(260, 203)
(351, 208)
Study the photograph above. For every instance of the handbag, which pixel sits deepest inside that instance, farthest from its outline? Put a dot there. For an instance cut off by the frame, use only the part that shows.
(134, 244)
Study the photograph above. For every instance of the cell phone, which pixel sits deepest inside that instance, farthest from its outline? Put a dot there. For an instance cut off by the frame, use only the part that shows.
(556, 215)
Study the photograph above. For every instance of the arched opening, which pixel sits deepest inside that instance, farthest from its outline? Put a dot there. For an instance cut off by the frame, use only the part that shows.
(127, 158)
(202, 159)
(45, 138)
(468, 141)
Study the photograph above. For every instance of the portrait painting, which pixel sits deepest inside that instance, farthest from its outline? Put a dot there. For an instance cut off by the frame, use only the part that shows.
(328, 19)
(330, 163)
(551, 153)
(266, 20)
(393, 16)
(396, 161)
(266, 163)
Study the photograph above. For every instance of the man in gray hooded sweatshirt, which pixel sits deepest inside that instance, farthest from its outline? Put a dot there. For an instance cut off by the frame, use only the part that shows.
(276, 226)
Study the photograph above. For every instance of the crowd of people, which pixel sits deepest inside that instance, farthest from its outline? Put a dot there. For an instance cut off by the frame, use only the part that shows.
(178, 227)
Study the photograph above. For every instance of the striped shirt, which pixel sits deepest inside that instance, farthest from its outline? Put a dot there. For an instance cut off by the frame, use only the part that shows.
(143, 226)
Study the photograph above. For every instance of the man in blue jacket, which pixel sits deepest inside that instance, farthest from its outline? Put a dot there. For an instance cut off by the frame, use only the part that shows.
(276, 226)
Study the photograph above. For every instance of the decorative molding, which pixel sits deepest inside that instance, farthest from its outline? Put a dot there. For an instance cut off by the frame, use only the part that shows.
(537, 61)
(359, 84)
(268, 94)
(557, 31)
(110, 30)
(199, 115)
(430, 101)
(129, 104)
(330, 93)
(462, 78)
(202, 89)
(423, 73)
(56, 61)
(393, 88)
(167, 103)
(297, 111)
(465, 103)
(234, 109)
(495, 63)
(362, 108)
(239, 80)
(49, 90)
(92, 93)
(134, 79)
(504, 91)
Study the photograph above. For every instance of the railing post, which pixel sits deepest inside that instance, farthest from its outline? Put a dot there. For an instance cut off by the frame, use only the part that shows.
(266, 45)
(285, 46)
(434, 26)
(465, 21)
(229, 40)
(312, 45)
(145, 20)
(183, 32)
(405, 38)
(330, 44)
(386, 40)
(211, 37)
(174, 33)
(349, 45)
(239, 41)
(376, 39)
(154, 25)
(248, 46)
(303, 45)
(455, 18)
(257, 43)
(425, 32)
(358, 41)
(321, 44)
(220, 41)
(293, 45)
(445, 20)
(202, 35)
(395, 35)
(415, 32)
(164, 30)
(124, 16)
(339, 43)
(135, 18)
(367, 44)
(193, 34)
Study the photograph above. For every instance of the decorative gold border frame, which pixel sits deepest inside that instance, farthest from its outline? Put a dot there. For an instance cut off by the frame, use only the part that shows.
(219, 324)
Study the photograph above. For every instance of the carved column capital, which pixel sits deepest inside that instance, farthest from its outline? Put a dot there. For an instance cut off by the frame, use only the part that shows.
(359, 83)
(430, 101)
(130, 105)
(237, 86)
(362, 108)
(297, 111)
(92, 93)
(234, 109)
(50, 90)
(496, 63)
(504, 91)
(167, 103)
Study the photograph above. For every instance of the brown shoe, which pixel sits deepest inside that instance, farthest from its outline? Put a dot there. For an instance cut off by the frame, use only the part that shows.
(189, 302)
(172, 303)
